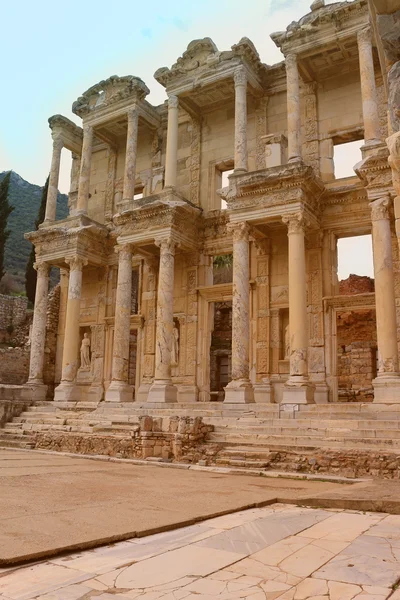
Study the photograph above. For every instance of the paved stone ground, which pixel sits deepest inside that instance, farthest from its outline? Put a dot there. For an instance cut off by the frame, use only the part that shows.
(49, 503)
(277, 552)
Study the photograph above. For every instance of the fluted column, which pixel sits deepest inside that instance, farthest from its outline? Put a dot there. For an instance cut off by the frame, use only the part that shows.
(293, 107)
(119, 390)
(38, 334)
(240, 80)
(298, 389)
(130, 158)
(240, 388)
(84, 177)
(387, 383)
(52, 192)
(372, 132)
(171, 158)
(162, 389)
(67, 390)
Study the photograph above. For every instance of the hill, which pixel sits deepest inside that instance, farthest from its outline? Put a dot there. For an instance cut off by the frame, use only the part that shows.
(25, 197)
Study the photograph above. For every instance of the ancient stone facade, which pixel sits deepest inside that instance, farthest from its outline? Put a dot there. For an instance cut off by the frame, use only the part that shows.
(149, 214)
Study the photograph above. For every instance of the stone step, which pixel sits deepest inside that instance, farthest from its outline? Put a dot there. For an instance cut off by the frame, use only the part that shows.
(313, 431)
(305, 441)
(16, 444)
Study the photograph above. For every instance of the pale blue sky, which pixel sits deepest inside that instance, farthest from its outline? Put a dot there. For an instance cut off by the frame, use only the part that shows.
(53, 51)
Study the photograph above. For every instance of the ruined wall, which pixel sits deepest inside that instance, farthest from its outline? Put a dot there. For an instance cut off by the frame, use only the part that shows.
(12, 311)
(356, 284)
(14, 365)
(53, 310)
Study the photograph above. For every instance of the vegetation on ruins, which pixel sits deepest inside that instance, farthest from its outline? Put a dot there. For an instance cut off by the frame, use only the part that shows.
(30, 272)
(5, 210)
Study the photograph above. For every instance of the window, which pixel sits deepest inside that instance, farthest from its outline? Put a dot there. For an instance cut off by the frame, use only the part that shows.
(345, 157)
(219, 173)
(355, 256)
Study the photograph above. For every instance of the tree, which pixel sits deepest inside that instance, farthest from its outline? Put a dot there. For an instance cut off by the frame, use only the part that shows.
(30, 272)
(5, 210)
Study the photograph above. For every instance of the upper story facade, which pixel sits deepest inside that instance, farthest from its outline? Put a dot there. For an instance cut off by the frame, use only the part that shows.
(272, 129)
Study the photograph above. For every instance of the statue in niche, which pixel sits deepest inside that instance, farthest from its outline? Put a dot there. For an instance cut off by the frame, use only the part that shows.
(175, 347)
(287, 342)
(85, 352)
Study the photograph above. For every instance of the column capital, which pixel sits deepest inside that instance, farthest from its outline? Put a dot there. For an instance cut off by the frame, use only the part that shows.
(87, 129)
(124, 250)
(240, 77)
(239, 231)
(173, 101)
(132, 111)
(380, 208)
(262, 246)
(64, 272)
(42, 268)
(295, 222)
(58, 142)
(76, 263)
(291, 60)
(167, 245)
(364, 36)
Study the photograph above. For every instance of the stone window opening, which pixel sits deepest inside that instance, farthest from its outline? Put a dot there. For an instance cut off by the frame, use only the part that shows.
(346, 152)
(355, 258)
(221, 179)
(222, 269)
(139, 192)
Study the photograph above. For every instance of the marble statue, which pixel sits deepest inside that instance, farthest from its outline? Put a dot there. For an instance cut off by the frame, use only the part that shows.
(85, 352)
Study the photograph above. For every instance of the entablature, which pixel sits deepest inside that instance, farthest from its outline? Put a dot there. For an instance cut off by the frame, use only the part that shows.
(154, 217)
(71, 237)
(70, 134)
(270, 193)
(203, 76)
(325, 39)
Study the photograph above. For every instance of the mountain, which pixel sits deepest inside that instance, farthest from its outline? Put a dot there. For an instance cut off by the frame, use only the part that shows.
(25, 197)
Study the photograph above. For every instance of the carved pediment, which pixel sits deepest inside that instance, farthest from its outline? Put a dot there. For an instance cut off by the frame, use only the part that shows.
(108, 92)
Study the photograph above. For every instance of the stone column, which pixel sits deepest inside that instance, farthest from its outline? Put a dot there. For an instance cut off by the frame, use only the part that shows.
(372, 132)
(74, 182)
(68, 390)
(240, 120)
(293, 108)
(38, 334)
(119, 390)
(171, 158)
(51, 203)
(130, 158)
(387, 383)
(162, 389)
(84, 177)
(240, 388)
(298, 389)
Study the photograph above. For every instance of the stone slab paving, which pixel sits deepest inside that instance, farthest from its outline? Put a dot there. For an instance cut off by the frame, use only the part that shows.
(280, 552)
(49, 503)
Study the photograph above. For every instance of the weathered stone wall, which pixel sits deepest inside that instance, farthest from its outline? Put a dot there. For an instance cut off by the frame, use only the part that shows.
(53, 310)
(356, 284)
(12, 311)
(14, 365)
(171, 438)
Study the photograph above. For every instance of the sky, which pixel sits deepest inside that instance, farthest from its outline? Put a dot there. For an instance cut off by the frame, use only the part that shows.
(53, 51)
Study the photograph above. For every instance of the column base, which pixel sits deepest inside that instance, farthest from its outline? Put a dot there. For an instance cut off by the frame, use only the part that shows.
(298, 390)
(143, 392)
(264, 392)
(239, 392)
(386, 389)
(35, 391)
(95, 393)
(67, 392)
(187, 393)
(162, 391)
(119, 391)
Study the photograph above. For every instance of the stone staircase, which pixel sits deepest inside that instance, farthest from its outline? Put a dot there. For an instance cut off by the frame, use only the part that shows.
(244, 436)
